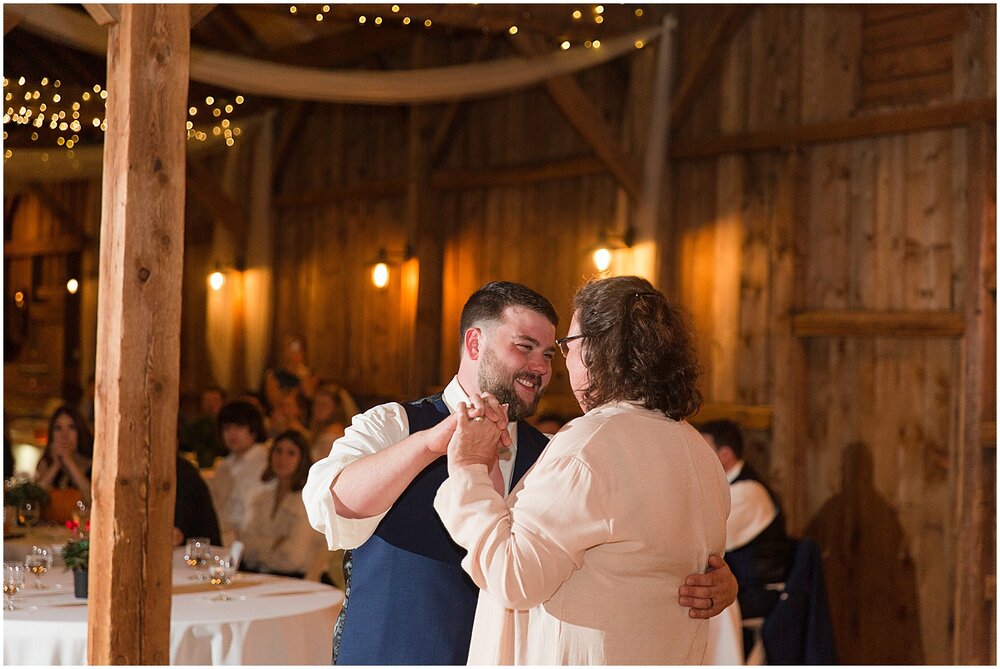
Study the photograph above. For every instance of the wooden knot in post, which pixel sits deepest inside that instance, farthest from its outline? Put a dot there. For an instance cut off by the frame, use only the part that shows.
(157, 164)
(143, 274)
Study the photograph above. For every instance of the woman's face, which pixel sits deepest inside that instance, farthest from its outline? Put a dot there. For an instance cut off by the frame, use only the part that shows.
(579, 375)
(285, 459)
(64, 431)
(323, 407)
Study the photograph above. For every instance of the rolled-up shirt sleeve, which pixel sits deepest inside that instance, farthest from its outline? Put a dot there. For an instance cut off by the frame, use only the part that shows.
(522, 549)
(370, 432)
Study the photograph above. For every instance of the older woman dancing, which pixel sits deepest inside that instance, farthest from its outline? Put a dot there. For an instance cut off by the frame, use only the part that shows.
(580, 563)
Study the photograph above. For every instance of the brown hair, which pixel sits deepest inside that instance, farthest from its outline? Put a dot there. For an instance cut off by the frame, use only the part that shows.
(488, 304)
(305, 462)
(637, 347)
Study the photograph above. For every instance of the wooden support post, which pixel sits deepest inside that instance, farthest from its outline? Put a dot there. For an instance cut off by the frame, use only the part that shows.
(138, 353)
(427, 240)
(790, 374)
(972, 608)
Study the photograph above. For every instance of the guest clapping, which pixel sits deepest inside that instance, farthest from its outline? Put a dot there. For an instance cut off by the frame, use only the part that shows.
(276, 530)
(67, 460)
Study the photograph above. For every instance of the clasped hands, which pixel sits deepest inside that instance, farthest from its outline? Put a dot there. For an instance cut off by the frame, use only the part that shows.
(480, 432)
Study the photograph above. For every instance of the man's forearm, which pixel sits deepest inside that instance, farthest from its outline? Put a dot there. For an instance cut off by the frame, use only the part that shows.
(372, 484)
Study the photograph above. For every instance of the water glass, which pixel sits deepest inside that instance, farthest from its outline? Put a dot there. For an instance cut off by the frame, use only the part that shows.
(197, 556)
(221, 570)
(13, 581)
(38, 562)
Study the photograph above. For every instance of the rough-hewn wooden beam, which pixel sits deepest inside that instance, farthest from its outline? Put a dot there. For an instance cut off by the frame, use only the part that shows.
(104, 14)
(962, 113)
(750, 416)
(138, 335)
(198, 12)
(577, 107)
(879, 324)
(46, 246)
(456, 179)
(729, 21)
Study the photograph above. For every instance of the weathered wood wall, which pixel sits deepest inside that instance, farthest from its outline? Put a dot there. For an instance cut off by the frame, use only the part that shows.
(869, 439)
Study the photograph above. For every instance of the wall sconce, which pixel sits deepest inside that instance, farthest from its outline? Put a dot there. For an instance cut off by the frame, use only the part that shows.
(606, 243)
(72, 286)
(217, 279)
(380, 266)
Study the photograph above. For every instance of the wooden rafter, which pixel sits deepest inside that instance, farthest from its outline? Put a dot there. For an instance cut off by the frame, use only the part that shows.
(54, 205)
(878, 324)
(104, 14)
(10, 20)
(730, 20)
(198, 12)
(291, 123)
(871, 125)
(577, 107)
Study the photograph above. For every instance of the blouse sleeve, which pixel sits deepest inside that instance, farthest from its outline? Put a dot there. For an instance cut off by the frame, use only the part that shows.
(522, 549)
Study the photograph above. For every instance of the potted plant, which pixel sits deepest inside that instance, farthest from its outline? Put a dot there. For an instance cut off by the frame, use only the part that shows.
(18, 492)
(76, 556)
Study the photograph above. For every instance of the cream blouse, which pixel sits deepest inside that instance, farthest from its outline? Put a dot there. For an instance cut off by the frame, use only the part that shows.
(581, 563)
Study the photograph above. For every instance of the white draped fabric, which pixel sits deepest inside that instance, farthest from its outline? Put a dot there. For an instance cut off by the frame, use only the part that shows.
(249, 75)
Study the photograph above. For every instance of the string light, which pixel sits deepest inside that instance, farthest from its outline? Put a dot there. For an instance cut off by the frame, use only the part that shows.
(395, 9)
(599, 9)
(639, 44)
(577, 13)
(638, 12)
(598, 19)
(292, 9)
(512, 30)
(378, 20)
(361, 19)
(597, 44)
(427, 23)
(406, 20)
(565, 45)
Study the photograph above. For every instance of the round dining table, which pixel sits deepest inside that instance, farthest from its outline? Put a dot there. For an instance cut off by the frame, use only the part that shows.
(270, 620)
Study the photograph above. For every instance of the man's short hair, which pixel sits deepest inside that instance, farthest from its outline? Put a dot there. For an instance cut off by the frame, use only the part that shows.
(487, 305)
(243, 413)
(725, 433)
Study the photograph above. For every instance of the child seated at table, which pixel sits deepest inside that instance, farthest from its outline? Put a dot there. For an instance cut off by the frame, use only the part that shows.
(276, 533)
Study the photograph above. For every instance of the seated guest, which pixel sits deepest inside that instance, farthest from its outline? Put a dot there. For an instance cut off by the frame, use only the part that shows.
(194, 513)
(65, 465)
(276, 532)
(292, 374)
(332, 410)
(237, 476)
(289, 413)
(757, 548)
(201, 435)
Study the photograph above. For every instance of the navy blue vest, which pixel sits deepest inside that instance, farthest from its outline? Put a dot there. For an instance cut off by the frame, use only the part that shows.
(408, 599)
(764, 560)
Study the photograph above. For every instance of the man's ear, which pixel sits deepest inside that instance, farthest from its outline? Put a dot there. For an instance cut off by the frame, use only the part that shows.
(473, 342)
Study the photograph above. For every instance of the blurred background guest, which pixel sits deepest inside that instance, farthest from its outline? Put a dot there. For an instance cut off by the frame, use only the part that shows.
(65, 467)
(276, 532)
(292, 372)
(290, 413)
(201, 434)
(332, 410)
(194, 512)
(237, 476)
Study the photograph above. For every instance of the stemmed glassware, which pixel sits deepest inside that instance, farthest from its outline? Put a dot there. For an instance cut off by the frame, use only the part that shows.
(13, 581)
(220, 573)
(38, 562)
(197, 556)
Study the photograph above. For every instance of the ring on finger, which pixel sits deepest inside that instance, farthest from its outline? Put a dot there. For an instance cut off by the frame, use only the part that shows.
(478, 418)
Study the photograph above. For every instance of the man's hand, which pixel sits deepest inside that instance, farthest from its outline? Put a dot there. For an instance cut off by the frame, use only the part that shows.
(476, 440)
(708, 594)
(436, 438)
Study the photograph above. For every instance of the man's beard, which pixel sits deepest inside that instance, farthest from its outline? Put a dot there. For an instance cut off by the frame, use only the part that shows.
(495, 379)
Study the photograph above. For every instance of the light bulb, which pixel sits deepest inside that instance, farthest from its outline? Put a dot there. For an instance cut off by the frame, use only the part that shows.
(72, 286)
(602, 259)
(380, 275)
(216, 280)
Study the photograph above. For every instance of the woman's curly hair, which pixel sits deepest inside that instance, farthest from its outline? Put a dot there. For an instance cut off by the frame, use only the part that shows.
(637, 347)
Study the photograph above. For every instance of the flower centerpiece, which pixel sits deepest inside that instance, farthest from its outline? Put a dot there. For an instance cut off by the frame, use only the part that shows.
(21, 489)
(76, 557)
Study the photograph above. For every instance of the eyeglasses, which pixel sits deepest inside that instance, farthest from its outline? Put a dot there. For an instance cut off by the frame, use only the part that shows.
(564, 343)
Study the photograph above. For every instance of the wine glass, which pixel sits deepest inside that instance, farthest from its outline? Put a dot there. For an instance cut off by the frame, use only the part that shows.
(220, 574)
(13, 581)
(197, 555)
(38, 562)
(28, 514)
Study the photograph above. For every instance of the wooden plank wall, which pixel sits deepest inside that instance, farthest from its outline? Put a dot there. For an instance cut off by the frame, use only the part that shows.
(867, 460)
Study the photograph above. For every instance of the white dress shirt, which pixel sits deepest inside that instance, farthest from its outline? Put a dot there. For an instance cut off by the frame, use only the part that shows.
(234, 485)
(751, 510)
(370, 432)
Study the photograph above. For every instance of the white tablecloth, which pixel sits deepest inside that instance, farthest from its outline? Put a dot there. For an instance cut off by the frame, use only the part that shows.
(273, 620)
